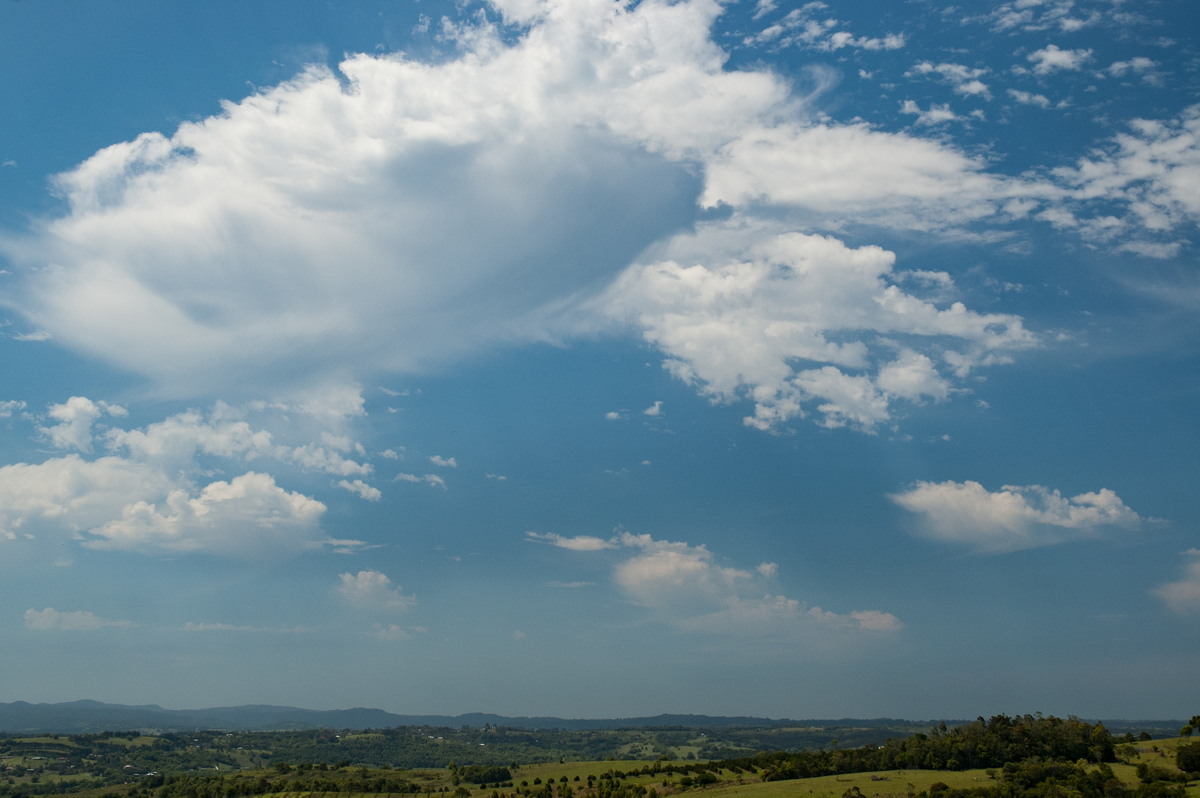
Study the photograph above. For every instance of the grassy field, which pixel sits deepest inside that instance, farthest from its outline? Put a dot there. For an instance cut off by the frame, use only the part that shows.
(884, 784)
(439, 783)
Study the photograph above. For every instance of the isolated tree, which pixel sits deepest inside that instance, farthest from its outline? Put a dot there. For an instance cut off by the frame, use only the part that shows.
(1187, 758)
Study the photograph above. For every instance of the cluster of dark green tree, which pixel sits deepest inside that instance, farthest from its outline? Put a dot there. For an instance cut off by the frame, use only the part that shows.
(1039, 778)
(1187, 759)
(293, 780)
(427, 746)
(480, 774)
(980, 744)
(607, 785)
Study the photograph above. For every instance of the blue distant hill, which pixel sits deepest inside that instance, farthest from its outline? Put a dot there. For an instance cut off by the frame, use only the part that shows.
(91, 717)
(86, 717)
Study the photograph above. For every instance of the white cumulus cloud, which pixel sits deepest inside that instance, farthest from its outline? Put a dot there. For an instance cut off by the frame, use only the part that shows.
(392, 215)
(373, 590)
(964, 79)
(154, 491)
(1183, 596)
(1014, 517)
(1029, 98)
(432, 480)
(1052, 58)
(934, 115)
(64, 495)
(75, 418)
(799, 323)
(1148, 175)
(247, 516)
(687, 587)
(361, 489)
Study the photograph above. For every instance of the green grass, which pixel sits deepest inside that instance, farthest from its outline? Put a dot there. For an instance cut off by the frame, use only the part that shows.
(888, 784)
(883, 784)
(549, 770)
(126, 742)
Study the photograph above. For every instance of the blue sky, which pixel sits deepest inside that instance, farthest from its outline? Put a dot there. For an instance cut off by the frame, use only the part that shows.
(579, 358)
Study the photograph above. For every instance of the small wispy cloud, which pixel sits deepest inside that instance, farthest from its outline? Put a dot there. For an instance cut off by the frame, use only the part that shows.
(1029, 98)
(808, 27)
(361, 489)
(578, 543)
(1054, 59)
(50, 619)
(191, 626)
(393, 633)
(935, 114)
(432, 480)
(965, 80)
(10, 406)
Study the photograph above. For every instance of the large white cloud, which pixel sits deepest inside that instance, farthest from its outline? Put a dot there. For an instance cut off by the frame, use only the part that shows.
(1014, 517)
(798, 321)
(395, 214)
(68, 495)
(687, 587)
(248, 516)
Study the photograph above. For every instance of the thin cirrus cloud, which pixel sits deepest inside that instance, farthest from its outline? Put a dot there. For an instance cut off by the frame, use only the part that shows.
(1014, 517)
(686, 587)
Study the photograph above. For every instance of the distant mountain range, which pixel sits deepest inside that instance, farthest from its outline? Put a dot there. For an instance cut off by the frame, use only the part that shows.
(89, 717)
